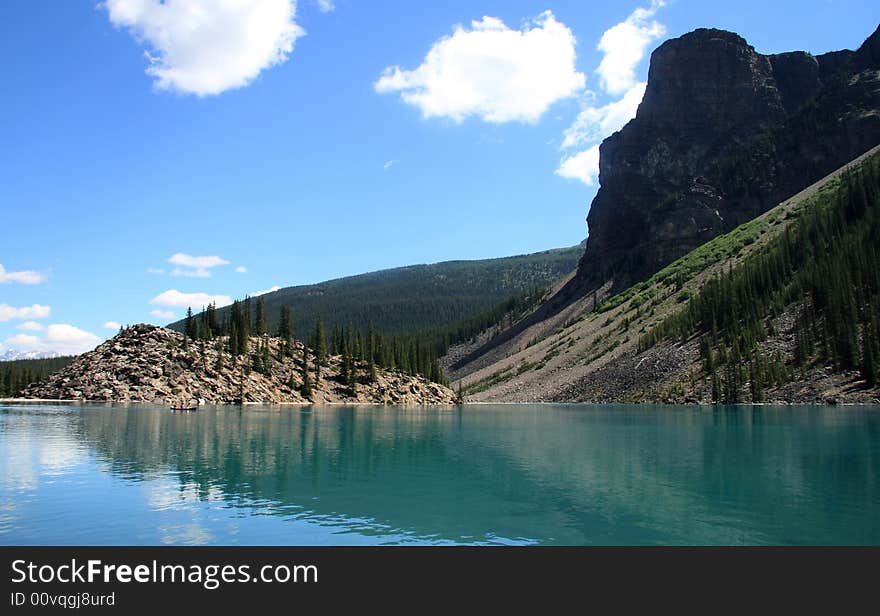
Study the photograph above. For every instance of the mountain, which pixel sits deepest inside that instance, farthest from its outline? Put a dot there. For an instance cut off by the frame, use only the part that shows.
(150, 364)
(723, 134)
(417, 297)
(425, 308)
(784, 308)
(14, 355)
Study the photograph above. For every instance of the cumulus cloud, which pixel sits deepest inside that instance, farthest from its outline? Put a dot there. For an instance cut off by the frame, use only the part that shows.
(32, 326)
(22, 277)
(23, 342)
(624, 46)
(59, 338)
(112, 325)
(162, 314)
(194, 267)
(583, 166)
(325, 6)
(176, 299)
(491, 71)
(36, 311)
(595, 123)
(186, 260)
(206, 47)
(200, 272)
(241, 269)
(269, 290)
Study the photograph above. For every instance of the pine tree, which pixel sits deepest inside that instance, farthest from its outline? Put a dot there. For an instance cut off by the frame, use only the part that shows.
(306, 388)
(319, 343)
(191, 328)
(344, 369)
(869, 360)
(262, 326)
(211, 319)
(285, 332)
(317, 369)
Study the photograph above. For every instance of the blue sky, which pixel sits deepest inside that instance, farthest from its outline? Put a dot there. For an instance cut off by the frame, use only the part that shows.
(154, 155)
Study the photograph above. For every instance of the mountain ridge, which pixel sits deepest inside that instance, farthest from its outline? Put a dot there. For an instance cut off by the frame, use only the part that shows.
(723, 134)
(595, 353)
(414, 297)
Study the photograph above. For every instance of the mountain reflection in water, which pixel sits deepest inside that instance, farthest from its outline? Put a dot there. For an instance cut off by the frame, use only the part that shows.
(546, 474)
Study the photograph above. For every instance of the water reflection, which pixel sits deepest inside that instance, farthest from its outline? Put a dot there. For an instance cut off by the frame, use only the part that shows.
(487, 474)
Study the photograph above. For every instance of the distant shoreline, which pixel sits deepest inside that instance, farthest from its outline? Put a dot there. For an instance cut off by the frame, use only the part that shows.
(437, 405)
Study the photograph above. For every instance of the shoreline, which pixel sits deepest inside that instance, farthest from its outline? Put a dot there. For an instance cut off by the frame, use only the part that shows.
(438, 405)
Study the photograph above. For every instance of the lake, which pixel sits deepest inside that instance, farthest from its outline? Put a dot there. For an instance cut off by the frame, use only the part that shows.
(481, 474)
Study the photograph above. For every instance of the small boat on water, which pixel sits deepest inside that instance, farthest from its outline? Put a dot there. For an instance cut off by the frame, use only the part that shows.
(193, 405)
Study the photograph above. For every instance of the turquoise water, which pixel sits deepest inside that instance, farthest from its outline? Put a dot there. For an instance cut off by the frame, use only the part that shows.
(517, 474)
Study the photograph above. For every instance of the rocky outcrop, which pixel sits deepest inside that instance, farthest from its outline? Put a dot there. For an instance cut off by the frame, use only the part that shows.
(145, 363)
(723, 134)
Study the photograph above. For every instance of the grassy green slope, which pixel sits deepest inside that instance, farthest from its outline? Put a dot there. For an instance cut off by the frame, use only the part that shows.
(644, 343)
(823, 272)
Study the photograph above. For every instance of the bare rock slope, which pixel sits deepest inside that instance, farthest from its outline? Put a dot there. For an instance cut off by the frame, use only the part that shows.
(592, 354)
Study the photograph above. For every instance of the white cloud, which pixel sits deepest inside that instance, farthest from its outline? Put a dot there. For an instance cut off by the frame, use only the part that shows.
(241, 269)
(583, 166)
(64, 338)
(388, 164)
(194, 267)
(23, 342)
(624, 46)
(269, 290)
(326, 6)
(32, 326)
(492, 72)
(162, 314)
(7, 313)
(186, 260)
(59, 338)
(200, 272)
(595, 123)
(205, 47)
(112, 325)
(155, 270)
(22, 277)
(175, 298)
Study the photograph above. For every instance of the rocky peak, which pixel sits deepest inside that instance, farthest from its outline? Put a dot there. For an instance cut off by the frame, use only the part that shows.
(722, 134)
(690, 76)
(868, 55)
(150, 364)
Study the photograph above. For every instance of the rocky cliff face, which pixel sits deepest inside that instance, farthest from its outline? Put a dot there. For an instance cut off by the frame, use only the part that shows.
(145, 363)
(723, 134)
